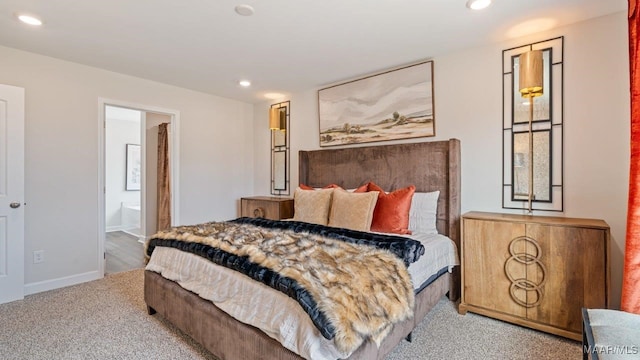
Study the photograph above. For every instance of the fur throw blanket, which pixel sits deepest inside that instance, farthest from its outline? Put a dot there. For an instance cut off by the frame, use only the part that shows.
(361, 290)
(405, 248)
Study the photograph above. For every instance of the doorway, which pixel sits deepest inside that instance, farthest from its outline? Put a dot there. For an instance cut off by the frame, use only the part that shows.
(123, 189)
(128, 180)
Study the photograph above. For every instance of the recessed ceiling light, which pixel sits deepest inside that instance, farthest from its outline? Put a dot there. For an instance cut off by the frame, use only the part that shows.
(244, 10)
(244, 83)
(29, 19)
(478, 4)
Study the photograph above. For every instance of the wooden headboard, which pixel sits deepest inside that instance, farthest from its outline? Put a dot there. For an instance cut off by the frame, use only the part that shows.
(430, 166)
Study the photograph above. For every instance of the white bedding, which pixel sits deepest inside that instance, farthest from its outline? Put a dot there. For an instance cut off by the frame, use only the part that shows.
(276, 314)
(439, 251)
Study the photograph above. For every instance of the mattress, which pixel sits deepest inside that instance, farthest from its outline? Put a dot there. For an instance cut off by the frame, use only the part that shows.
(277, 315)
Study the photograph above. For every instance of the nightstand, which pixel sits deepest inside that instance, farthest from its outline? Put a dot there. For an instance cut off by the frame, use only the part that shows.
(268, 207)
(535, 271)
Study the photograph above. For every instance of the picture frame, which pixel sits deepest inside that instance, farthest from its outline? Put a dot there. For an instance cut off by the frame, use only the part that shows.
(133, 172)
(396, 104)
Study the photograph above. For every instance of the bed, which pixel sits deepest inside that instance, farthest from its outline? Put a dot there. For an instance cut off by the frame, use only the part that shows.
(430, 166)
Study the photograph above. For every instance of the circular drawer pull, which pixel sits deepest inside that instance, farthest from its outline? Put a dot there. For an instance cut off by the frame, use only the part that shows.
(258, 212)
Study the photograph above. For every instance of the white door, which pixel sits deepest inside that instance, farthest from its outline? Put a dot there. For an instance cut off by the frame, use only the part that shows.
(11, 193)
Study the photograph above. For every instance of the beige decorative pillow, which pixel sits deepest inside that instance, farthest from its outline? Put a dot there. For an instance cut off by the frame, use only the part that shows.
(352, 210)
(312, 206)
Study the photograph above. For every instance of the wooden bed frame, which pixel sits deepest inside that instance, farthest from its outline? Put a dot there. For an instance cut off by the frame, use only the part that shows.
(429, 166)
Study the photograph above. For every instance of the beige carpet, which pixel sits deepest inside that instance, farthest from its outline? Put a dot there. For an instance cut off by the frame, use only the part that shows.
(107, 319)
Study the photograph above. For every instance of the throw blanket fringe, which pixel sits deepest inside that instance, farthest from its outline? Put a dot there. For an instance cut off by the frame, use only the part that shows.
(360, 290)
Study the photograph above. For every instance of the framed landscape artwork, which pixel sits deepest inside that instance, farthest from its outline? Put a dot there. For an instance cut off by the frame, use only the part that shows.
(396, 104)
(133, 175)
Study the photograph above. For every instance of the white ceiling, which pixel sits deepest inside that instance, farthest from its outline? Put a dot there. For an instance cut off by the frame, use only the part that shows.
(286, 46)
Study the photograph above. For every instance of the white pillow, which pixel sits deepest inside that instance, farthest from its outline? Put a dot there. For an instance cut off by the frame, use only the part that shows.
(423, 212)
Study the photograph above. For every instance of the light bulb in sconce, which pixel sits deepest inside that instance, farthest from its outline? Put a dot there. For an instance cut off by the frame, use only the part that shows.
(277, 119)
(530, 73)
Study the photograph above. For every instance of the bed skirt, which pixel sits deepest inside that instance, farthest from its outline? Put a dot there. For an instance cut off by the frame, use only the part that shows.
(229, 339)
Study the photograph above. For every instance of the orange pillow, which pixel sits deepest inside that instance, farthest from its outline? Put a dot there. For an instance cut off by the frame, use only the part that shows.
(362, 188)
(391, 214)
(359, 189)
(307, 187)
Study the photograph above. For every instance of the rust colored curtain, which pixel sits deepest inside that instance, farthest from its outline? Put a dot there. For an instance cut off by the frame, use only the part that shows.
(164, 184)
(631, 276)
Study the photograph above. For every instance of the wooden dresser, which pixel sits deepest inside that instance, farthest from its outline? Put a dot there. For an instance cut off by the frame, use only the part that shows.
(534, 271)
(268, 207)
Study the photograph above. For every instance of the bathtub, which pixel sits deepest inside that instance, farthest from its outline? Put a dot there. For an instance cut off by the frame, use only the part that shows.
(130, 213)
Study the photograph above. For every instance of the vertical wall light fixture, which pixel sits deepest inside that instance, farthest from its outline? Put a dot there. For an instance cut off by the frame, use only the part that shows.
(548, 128)
(279, 123)
(278, 118)
(531, 80)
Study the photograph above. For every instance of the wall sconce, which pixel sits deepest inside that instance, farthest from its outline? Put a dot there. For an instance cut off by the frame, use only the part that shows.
(522, 85)
(280, 125)
(278, 118)
(530, 86)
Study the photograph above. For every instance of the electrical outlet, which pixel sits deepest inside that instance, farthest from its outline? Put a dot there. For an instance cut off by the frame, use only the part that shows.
(38, 256)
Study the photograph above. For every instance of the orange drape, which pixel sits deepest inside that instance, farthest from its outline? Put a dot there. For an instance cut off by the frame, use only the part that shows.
(631, 276)
(164, 185)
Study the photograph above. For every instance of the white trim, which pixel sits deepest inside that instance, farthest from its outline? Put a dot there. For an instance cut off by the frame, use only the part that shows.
(143, 177)
(174, 153)
(174, 150)
(102, 121)
(34, 288)
(124, 229)
(12, 274)
(138, 236)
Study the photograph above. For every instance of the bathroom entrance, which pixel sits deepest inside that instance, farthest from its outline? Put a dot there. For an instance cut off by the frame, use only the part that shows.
(137, 186)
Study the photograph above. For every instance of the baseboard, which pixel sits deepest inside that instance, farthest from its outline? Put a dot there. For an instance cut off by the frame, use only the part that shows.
(34, 288)
(114, 228)
(132, 233)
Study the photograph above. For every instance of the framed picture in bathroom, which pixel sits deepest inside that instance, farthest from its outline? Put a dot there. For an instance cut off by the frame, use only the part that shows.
(133, 175)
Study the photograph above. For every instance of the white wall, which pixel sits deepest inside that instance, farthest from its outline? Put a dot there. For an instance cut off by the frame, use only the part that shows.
(61, 157)
(118, 134)
(468, 103)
